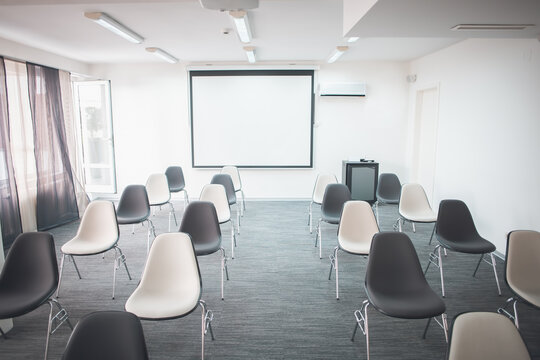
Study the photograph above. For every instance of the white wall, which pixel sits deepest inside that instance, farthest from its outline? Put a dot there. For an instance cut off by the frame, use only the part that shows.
(14, 50)
(489, 130)
(151, 126)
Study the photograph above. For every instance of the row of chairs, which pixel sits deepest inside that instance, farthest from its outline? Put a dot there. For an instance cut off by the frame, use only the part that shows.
(357, 226)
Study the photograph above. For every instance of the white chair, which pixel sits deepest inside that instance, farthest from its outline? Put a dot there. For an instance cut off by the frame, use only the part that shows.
(98, 233)
(356, 229)
(235, 175)
(216, 194)
(414, 207)
(485, 335)
(157, 188)
(318, 194)
(171, 284)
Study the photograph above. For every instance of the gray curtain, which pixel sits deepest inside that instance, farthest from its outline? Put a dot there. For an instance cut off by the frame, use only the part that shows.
(10, 216)
(56, 203)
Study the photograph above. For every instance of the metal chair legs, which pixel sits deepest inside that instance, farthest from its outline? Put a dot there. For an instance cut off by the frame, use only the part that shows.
(62, 271)
(493, 264)
(223, 267)
(172, 212)
(119, 258)
(362, 323)
(55, 321)
(436, 259)
(206, 324)
(335, 265)
(310, 217)
(153, 230)
(505, 312)
(318, 238)
(443, 324)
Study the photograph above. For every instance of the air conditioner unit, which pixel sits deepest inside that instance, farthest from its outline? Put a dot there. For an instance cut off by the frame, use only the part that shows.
(343, 89)
(227, 5)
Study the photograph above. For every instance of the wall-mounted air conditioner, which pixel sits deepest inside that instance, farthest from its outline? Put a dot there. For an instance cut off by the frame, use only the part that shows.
(343, 89)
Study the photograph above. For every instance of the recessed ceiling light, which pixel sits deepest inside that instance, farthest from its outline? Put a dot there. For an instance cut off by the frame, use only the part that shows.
(112, 25)
(353, 39)
(337, 53)
(241, 22)
(162, 54)
(491, 27)
(250, 53)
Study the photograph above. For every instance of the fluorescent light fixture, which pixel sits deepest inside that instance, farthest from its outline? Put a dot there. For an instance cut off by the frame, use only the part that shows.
(162, 54)
(241, 22)
(250, 52)
(337, 53)
(110, 24)
(491, 27)
(353, 39)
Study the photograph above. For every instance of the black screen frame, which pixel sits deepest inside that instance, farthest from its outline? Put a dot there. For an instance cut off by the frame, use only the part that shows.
(206, 73)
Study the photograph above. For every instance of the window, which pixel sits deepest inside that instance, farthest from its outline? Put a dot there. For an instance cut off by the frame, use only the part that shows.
(93, 102)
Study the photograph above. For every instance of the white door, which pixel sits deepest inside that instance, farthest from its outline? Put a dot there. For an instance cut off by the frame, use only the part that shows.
(93, 99)
(425, 139)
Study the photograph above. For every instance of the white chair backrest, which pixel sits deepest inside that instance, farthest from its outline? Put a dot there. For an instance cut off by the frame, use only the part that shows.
(98, 224)
(215, 193)
(320, 186)
(357, 225)
(157, 188)
(523, 264)
(413, 200)
(172, 268)
(235, 175)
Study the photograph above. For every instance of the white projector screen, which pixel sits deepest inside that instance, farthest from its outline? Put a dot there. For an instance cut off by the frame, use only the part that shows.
(252, 118)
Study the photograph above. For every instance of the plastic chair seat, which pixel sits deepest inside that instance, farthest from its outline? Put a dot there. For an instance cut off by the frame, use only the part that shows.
(353, 246)
(425, 215)
(161, 303)
(331, 218)
(206, 248)
(127, 219)
(81, 246)
(471, 245)
(388, 189)
(417, 303)
(485, 335)
(16, 302)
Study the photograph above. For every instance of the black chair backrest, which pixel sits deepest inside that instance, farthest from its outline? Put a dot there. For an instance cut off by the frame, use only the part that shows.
(175, 177)
(335, 195)
(389, 187)
(107, 335)
(455, 222)
(393, 265)
(200, 221)
(134, 202)
(31, 268)
(226, 181)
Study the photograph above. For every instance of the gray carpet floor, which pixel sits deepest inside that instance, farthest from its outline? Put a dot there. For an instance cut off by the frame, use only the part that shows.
(278, 302)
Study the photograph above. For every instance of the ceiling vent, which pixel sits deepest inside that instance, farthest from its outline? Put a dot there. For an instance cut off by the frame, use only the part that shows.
(228, 5)
(491, 27)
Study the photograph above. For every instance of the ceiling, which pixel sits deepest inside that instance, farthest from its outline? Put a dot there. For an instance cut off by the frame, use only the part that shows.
(283, 30)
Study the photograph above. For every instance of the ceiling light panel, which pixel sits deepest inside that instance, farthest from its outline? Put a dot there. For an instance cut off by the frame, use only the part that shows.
(112, 25)
(491, 27)
(336, 54)
(241, 22)
(250, 53)
(162, 54)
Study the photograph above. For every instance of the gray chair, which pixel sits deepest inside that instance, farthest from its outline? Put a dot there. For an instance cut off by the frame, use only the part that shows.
(227, 182)
(29, 279)
(455, 231)
(522, 271)
(485, 335)
(395, 285)
(388, 191)
(107, 335)
(318, 194)
(175, 178)
(200, 221)
(335, 196)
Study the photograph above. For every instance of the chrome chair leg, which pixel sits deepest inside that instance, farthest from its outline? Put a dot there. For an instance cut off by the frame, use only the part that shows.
(362, 323)
(436, 259)
(223, 267)
(310, 217)
(76, 267)
(55, 321)
(334, 265)
(495, 273)
(514, 316)
(433, 232)
(206, 324)
(376, 206)
(119, 258)
(60, 276)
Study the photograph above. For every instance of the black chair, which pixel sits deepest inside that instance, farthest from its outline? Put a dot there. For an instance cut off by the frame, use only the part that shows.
(227, 182)
(388, 191)
(175, 177)
(29, 279)
(395, 285)
(455, 231)
(201, 223)
(335, 196)
(107, 335)
(485, 335)
(522, 271)
(134, 208)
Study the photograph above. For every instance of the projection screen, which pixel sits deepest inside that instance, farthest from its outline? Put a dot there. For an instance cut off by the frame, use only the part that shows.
(252, 118)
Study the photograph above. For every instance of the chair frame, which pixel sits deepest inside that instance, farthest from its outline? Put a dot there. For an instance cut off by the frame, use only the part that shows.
(240, 189)
(378, 202)
(119, 259)
(310, 207)
(171, 210)
(515, 298)
(186, 197)
(398, 225)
